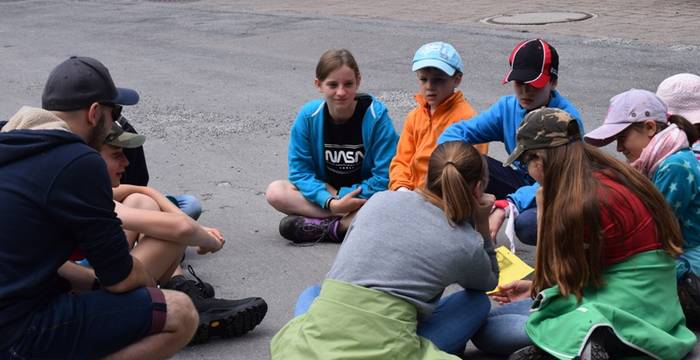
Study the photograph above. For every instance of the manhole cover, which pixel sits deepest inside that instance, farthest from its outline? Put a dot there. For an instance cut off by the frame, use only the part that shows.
(173, 1)
(538, 18)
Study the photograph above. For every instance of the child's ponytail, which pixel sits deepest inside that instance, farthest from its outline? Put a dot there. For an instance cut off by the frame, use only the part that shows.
(453, 170)
(690, 131)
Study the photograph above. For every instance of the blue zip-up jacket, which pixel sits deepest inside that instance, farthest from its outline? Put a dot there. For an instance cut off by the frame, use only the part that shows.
(500, 122)
(56, 198)
(307, 166)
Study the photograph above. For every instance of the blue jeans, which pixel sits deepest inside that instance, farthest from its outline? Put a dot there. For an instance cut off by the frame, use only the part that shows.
(503, 181)
(504, 330)
(189, 204)
(526, 226)
(688, 261)
(91, 325)
(455, 319)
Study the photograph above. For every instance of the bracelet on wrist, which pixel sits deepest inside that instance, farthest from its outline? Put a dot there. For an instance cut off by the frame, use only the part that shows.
(327, 205)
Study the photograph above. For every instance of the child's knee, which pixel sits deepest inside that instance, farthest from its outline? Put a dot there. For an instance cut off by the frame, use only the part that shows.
(477, 301)
(140, 201)
(526, 227)
(274, 194)
(483, 304)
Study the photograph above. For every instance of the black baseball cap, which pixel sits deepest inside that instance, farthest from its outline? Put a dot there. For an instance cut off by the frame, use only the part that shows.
(533, 62)
(80, 81)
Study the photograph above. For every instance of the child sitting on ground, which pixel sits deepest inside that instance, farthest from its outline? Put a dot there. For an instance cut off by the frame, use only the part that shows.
(158, 233)
(382, 298)
(339, 154)
(658, 146)
(604, 276)
(439, 69)
(534, 71)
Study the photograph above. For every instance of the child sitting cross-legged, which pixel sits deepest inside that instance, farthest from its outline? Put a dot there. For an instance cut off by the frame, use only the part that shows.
(439, 69)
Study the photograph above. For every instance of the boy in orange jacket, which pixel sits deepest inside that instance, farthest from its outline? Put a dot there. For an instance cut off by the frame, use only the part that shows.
(439, 69)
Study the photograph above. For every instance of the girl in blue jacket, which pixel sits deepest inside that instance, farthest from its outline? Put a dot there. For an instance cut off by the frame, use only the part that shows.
(339, 153)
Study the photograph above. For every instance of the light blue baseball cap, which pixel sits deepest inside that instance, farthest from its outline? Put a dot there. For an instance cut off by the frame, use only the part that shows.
(439, 55)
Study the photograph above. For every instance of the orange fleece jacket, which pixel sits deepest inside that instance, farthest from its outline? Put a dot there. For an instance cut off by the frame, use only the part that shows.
(409, 168)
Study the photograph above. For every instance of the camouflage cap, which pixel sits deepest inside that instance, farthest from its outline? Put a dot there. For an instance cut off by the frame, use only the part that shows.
(119, 138)
(543, 128)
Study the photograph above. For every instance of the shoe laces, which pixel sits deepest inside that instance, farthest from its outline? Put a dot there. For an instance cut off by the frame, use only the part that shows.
(199, 283)
(324, 225)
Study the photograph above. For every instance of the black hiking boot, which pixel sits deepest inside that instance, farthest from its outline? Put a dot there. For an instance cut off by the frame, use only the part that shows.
(219, 317)
(190, 287)
(227, 318)
(531, 352)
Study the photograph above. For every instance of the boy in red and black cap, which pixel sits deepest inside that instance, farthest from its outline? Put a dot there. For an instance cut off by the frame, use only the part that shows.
(534, 72)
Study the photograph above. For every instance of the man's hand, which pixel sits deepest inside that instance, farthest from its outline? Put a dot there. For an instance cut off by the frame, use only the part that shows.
(347, 203)
(496, 219)
(517, 290)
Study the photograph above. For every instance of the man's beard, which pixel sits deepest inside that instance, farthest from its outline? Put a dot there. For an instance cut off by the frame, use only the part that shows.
(98, 134)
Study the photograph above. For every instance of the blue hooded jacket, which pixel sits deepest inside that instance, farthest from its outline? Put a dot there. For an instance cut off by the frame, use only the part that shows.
(500, 122)
(307, 166)
(56, 198)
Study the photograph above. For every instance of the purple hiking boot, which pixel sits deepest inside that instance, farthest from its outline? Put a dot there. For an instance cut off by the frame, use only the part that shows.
(307, 230)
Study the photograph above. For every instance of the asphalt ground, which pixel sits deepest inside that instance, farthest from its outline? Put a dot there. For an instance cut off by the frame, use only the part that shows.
(220, 88)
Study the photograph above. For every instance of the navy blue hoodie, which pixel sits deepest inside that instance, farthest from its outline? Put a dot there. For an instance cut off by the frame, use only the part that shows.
(55, 197)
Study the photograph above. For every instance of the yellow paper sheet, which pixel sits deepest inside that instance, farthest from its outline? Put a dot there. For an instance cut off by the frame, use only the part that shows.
(512, 268)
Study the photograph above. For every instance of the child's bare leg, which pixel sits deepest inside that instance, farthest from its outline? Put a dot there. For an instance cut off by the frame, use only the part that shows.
(285, 197)
(138, 201)
(160, 257)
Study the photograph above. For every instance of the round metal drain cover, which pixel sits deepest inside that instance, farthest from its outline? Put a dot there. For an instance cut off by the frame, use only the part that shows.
(173, 1)
(538, 18)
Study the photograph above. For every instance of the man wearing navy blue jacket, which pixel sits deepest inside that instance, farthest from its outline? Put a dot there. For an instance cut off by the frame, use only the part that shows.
(56, 200)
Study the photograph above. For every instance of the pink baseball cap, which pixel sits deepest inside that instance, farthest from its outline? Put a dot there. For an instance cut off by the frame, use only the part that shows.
(681, 92)
(627, 108)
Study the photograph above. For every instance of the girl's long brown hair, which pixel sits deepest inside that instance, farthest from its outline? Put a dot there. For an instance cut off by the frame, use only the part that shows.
(453, 170)
(334, 59)
(570, 241)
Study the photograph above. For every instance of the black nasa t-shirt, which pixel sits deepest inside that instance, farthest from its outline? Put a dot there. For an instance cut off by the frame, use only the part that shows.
(343, 148)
